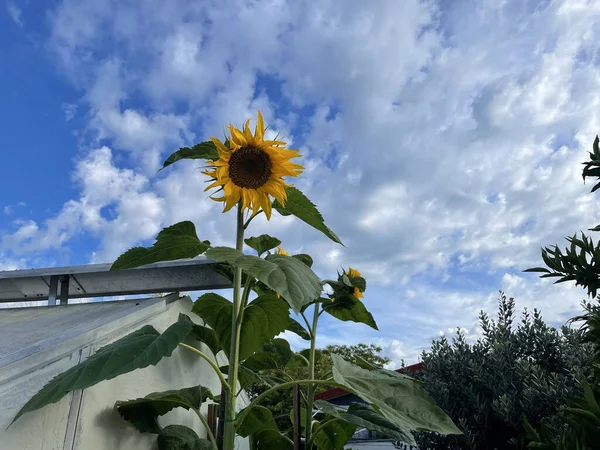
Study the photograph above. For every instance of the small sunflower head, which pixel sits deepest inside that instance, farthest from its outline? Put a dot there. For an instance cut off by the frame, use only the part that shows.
(356, 292)
(353, 273)
(353, 282)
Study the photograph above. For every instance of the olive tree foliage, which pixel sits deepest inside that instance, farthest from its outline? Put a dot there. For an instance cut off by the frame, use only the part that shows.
(516, 368)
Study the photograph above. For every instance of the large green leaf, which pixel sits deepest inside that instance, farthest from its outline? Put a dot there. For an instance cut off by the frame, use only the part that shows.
(142, 348)
(175, 242)
(299, 205)
(262, 243)
(205, 335)
(399, 398)
(293, 280)
(333, 434)
(259, 425)
(264, 318)
(367, 417)
(350, 308)
(203, 150)
(179, 437)
(143, 412)
(295, 327)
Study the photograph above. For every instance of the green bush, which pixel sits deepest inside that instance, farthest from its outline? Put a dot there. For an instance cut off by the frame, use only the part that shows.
(486, 387)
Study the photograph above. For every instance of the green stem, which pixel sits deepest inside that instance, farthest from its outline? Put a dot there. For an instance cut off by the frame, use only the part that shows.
(209, 433)
(236, 324)
(209, 361)
(311, 374)
(309, 443)
(250, 219)
(307, 324)
(284, 386)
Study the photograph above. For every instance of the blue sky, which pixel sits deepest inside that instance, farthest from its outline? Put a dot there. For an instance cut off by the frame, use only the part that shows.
(442, 140)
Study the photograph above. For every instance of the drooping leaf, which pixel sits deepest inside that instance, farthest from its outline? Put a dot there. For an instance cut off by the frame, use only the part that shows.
(175, 242)
(264, 318)
(203, 150)
(304, 258)
(142, 348)
(179, 437)
(368, 417)
(262, 243)
(333, 434)
(350, 308)
(300, 206)
(295, 327)
(204, 334)
(143, 413)
(259, 425)
(293, 280)
(270, 440)
(399, 398)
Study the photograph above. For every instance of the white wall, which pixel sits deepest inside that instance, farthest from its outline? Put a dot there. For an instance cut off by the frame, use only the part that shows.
(95, 425)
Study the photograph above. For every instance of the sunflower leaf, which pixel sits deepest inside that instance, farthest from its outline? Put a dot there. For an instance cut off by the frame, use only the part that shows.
(180, 437)
(264, 318)
(262, 243)
(349, 308)
(142, 413)
(203, 150)
(398, 398)
(175, 242)
(142, 348)
(288, 276)
(299, 205)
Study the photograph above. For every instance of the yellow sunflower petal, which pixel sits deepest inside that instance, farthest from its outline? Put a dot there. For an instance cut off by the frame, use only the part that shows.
(237, 136)
(259, 131)
(220, 146)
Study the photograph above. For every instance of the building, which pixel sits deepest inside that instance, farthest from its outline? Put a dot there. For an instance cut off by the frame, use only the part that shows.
(52, 334)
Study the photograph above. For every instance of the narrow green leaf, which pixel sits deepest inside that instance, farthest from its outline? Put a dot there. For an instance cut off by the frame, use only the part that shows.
(294, 281)
(368, 417)
(262, 243)
(142, 348)
(295, 327)
(179, 437)
(300, 206)
(399, 398)
(175, 242)
(143, 413)
(333, 434)
(203, 150)
(264, 318)
(350, 308)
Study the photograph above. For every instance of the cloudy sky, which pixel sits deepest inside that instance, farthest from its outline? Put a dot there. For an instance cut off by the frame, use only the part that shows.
(442, 140)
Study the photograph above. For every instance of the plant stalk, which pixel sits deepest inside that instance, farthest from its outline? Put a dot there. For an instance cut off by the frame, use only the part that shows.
(284, 386)
(236, 324)
(207, 358)
(311, 375)
(209, 433)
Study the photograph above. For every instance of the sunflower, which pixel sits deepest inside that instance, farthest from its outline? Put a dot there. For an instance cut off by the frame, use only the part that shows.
(353, 273)
(357, 293)
(250, 169)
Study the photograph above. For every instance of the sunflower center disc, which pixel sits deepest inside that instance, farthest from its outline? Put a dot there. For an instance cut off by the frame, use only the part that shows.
(249, 167)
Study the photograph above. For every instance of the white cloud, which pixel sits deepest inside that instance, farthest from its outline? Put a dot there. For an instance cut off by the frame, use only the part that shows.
(442, 139)
(15, 13)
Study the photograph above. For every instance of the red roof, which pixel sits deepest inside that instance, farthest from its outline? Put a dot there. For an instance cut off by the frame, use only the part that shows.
(339, 392)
